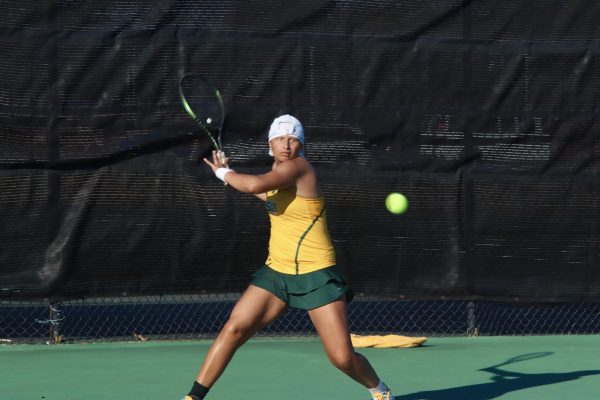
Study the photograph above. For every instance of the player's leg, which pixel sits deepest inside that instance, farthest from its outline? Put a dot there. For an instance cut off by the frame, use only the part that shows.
(331, 323)
(253, 311)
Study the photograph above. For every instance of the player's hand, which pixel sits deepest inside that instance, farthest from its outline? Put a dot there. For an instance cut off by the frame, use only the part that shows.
(214, 165)
(218, 160)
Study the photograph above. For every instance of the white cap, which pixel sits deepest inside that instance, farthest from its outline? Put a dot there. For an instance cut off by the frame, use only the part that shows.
(286, 125)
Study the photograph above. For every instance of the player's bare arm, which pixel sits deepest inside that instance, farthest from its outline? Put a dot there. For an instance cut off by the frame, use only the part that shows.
(284, 175)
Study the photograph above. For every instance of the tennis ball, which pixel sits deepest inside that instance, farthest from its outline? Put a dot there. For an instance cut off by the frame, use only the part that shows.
(396, 203)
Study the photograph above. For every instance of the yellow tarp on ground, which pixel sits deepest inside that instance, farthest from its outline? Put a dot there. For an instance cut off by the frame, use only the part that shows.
(387, 341)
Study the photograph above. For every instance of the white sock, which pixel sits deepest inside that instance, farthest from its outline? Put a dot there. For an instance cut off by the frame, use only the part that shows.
(380, 388)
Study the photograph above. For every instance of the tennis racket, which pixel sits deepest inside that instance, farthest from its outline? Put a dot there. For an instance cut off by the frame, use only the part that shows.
(203, 102)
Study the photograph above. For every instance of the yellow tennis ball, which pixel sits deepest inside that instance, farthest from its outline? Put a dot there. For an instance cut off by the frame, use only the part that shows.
(396, 203)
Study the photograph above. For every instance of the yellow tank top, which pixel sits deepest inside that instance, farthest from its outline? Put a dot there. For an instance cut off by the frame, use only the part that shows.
(300, 241)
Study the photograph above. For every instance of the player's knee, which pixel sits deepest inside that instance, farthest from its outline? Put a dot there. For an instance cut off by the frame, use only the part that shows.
(235, 331)
(343, 361)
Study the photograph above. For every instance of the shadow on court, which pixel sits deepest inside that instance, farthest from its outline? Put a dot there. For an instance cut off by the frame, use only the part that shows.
(501, 382)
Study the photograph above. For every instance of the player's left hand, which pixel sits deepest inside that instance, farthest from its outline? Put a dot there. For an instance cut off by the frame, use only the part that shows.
(218, 160)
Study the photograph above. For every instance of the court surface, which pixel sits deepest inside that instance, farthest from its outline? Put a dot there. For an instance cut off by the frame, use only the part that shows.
(566, 367)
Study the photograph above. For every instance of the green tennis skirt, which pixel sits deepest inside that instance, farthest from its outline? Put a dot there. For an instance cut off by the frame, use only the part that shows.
(305, 291)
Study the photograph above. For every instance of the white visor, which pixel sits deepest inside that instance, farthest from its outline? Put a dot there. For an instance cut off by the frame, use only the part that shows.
(286, 125)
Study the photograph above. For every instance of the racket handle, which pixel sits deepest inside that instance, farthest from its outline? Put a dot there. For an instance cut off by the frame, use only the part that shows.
(222, 158)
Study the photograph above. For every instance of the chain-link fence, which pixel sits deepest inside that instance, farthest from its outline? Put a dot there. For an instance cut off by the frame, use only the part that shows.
(201, 316)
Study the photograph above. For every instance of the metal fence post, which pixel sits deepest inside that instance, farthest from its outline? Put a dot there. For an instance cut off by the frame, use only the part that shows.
(54, 320)
(471, 320)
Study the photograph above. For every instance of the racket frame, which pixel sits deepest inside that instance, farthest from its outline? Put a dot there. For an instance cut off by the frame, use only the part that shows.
(216, 143)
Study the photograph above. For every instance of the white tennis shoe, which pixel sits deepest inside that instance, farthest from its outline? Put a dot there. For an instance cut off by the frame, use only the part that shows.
(387, 395)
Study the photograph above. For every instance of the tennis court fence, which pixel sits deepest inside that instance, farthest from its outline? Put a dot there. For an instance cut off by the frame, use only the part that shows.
(201, 316)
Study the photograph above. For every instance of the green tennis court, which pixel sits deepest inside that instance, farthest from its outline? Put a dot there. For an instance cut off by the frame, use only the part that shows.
(561, 367)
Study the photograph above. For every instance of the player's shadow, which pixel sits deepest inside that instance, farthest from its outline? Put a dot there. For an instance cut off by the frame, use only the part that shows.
(501, 382)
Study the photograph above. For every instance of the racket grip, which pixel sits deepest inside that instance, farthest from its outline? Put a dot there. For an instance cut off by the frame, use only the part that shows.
(222, 158)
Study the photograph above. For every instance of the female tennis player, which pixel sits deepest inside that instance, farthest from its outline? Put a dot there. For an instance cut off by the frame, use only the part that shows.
(300, 270)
